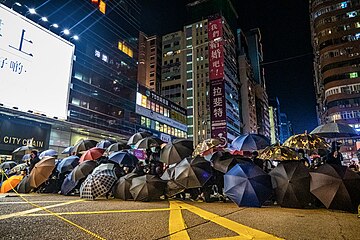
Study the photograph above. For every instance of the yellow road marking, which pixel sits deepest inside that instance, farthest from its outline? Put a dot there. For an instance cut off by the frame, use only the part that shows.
(244, 232)
(17, 214)
(177, 224)
(4, 203)
(101, 212)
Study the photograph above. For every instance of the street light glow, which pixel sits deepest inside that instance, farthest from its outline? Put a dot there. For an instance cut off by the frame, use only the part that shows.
(55, 25)
(32, 11)
(66, 31)
(76, 37)
(44, 19)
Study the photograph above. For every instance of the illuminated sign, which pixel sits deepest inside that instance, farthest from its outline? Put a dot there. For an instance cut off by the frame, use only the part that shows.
(35, 66)
(218, 108)
(216, 51)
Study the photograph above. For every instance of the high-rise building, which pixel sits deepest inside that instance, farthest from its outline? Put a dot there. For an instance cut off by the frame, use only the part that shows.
(149, 63)
(274, 115)
(335, 27)
(285, 128)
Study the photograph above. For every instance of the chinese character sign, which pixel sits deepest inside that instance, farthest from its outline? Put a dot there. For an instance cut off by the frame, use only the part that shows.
(218, 108)
(216, 51)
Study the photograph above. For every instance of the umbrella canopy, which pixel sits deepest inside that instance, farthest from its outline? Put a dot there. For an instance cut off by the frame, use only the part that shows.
(83, 145)
(175, 151)
(168, 174)
(92, 154)
(18, 168)
(247, 185)
(10, 183)
(67, 164)
(115, 147)
(23, 148)
(291, 181)
(278, 153)
(26, 157)
(122, 186)
(103, 167)
(192, 173)
(334, 130)
(123, 158)
(172, 188)
(41, 171)
(68, 150)
(337, 187)
(250, 142)
(68, 185)
(98, 184)
(7, 165)
(104, 143)
(147, 188)
(24, 185)
(83, 170)
(306, 141)
(49, 153)
(224, 161)
(138, 136)
(205, 146)
(148, 142)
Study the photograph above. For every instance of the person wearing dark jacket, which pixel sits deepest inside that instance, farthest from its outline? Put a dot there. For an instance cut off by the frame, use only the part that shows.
(334, 157)
(34, 159)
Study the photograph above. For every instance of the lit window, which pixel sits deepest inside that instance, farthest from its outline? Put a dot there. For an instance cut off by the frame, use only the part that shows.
(105, 58)
(97, 53)
(353, 75)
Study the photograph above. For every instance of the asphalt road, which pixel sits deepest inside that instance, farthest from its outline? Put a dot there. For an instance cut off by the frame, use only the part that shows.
(47, 216)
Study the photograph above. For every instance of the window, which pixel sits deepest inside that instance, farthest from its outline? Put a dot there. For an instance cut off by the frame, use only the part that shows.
(353, 75)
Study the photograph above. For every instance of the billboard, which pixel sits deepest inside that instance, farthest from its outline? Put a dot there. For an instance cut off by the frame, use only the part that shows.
(216, 50)
(35, 66)
(218, 109)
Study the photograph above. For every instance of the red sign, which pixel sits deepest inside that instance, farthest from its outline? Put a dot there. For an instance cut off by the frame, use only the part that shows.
(218, 109)
(216, 50)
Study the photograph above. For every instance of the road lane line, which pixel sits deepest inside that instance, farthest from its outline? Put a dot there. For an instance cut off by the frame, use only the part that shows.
(5, 203)
(17, 214)
(244, 232)
(177, 226)
(100, 212)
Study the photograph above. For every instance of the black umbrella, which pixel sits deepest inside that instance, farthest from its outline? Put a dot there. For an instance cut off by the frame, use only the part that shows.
(115, 147)
(8, 165)
(83, 170)
(247, 185)
(147, 188)
(176, 151)
(84, 145)
(68, 185)
(138, 136)
(250, 142)
(105, 143)
(334, 130)
(97, 184)
(148, 142)
(337, 187)
(291, 181)
(23, 148)
(121, 188)
(224, 161)
(24, 185)
(68, 150)
(67, 164)
(123, 158)
(168, 174)
(192, 173)
(172, 188)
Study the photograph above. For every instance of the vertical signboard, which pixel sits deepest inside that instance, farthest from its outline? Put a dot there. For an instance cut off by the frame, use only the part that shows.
(216, 77)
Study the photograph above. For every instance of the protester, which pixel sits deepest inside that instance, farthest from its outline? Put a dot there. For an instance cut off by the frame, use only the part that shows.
(257, 161)
(334, 157)
(34, 159)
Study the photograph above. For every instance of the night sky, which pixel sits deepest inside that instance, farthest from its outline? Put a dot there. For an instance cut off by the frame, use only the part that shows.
(286, 41)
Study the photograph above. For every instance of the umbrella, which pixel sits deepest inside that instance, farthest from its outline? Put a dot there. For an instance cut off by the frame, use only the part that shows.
(98, 184)
(10, 183)
(224, 161)
(172, 188)
(83, 145)
(247, 185)
(92, 154)
(192, 173)
(41, 171)
(67, 164)
(176, 151)
(306, 141)
(115, 147)
(24, 185)
(68, 185)
(122, 186)
(334, 130)
(138, 136)
(18, 168)
(7, 165)
(123, 158)
(291, 181)
(206, 145)
(68, 150)
(168, 174)
(104, 143)
(148, 142)
(250, 142)
(23, 148)
(26, 157)
(337, 187)
(83, 170)
(147, 188)
(103, 167)
(278, 153)
(49, 152)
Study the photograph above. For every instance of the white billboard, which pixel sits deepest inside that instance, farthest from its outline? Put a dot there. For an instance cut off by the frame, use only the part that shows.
(35, 66)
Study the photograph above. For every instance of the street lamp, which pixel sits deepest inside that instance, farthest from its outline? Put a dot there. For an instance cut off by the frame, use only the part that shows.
(16, 4)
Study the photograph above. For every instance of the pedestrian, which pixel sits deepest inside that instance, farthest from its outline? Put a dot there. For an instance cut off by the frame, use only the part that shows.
(335, 157)
(34, 159)
(303, 158)
(257, 161)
